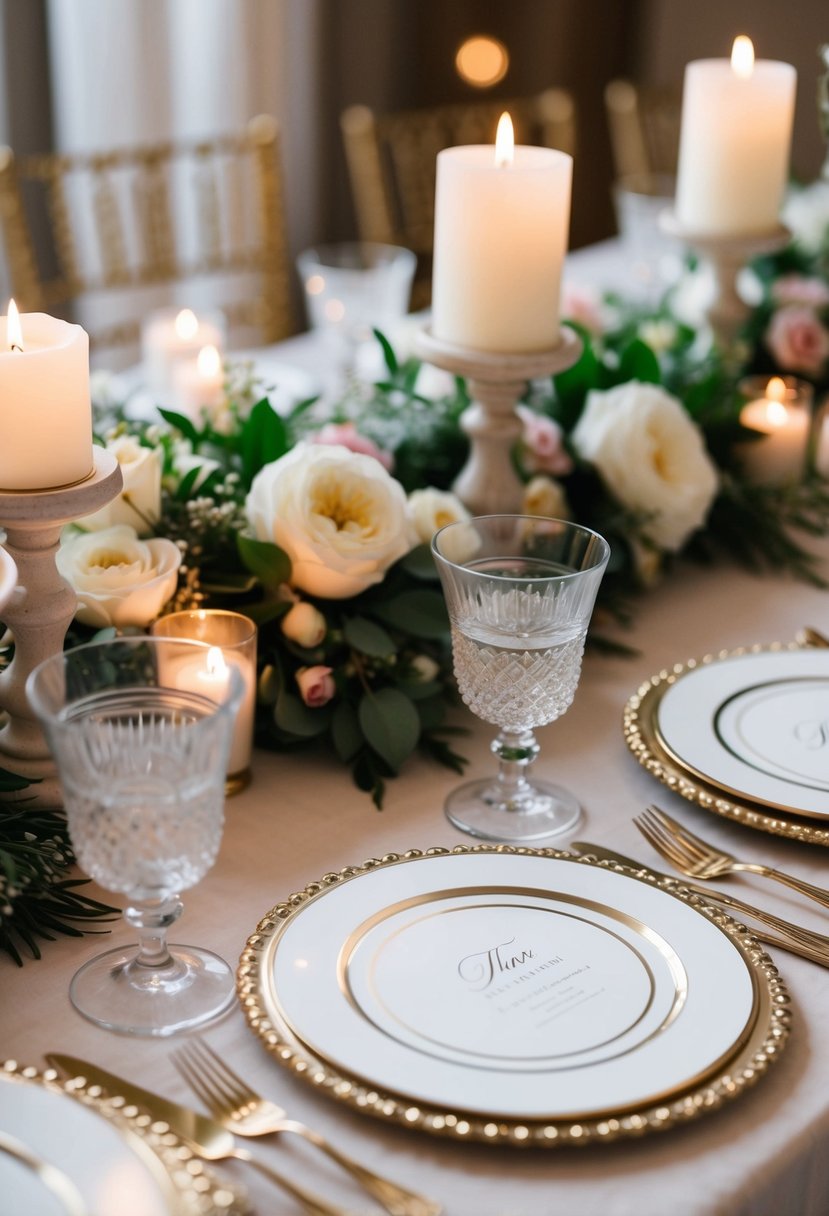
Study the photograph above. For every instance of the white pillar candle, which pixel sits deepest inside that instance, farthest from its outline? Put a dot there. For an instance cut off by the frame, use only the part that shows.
(198, 384)
(501, 223)
(170, 335)
(785, 421)
(734, 143)
(45, 408)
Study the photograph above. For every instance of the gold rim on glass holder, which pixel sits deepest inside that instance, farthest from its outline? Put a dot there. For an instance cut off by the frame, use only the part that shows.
(752, 1053)
(188, 1186)
(642, 737)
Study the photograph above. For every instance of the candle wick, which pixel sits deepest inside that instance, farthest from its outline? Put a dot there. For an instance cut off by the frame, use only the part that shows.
(15, 346)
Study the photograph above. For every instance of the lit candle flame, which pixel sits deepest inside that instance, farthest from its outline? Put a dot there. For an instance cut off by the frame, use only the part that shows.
(187, 325)
(776, 389)
(504, 141)
(216, 665)
(209, 362)
(776, 414)
(14, 333)
(742, 57)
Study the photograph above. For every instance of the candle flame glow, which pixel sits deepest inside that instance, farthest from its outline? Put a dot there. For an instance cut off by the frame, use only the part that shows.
(216, 665)
(776, 414)
(187, 325)
(742, 57)
(504, 141)
(14, 333)
(209, 362)
(776, 389)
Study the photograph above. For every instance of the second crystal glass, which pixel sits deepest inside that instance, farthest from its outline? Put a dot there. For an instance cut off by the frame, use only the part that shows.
(142, 761)
(520, 592)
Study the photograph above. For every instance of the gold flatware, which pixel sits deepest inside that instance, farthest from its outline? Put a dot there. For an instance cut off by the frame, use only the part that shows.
(237, 1107)
(790, 937)
(54, 1179)
(204, 1137)
(698, 859)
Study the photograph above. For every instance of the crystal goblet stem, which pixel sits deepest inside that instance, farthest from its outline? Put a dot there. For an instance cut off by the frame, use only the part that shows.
(141, 734)
(520, 591)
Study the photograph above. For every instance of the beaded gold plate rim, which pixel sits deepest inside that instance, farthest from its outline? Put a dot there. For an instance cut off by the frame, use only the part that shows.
(641, 736)
(190, 1187)
(750, 1060)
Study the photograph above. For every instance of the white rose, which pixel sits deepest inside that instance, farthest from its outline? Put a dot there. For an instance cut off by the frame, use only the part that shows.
(118, 579)
(432, 509)
(139, 503)
(340, 517)
(652, 458)
(544, 496)
(305, 625)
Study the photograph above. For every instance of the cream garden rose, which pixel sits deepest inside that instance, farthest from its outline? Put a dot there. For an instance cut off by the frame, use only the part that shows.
(340, 517)
(651, 457)
(305, 625)
(118, 579)
(139, 503)
(431, 509)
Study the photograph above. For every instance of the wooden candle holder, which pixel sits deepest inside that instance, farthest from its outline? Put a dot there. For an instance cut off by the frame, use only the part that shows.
(728, 254)
(488, 483)
(39, 611)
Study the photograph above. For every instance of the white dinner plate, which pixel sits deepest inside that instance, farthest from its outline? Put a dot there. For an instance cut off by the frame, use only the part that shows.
(104, 1165)
(755, 725)
(516, 987)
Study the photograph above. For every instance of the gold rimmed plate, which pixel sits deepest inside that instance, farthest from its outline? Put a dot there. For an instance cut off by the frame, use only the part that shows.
(512, 995)
(72, 1145)
(740, 734)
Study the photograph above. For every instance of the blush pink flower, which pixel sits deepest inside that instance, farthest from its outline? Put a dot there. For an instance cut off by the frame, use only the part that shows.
(544, 444)
(582, 303)
(347, 435)
(801, 289)
(316, 686)
(798, 341)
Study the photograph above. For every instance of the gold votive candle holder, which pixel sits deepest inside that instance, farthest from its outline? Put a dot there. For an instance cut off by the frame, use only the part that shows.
(234, 637)
(781, 408)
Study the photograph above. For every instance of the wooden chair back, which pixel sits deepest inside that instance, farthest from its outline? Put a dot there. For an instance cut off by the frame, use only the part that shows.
(644, 128)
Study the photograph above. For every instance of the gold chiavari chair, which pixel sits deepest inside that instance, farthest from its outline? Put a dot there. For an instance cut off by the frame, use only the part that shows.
(114, 226)
(644, 129)
(391, 162)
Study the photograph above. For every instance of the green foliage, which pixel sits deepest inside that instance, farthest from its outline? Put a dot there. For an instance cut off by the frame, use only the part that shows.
(37, 900)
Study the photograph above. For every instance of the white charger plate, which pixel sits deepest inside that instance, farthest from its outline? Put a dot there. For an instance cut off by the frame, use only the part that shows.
(755, 725)
(487, 991)
(115, 1162)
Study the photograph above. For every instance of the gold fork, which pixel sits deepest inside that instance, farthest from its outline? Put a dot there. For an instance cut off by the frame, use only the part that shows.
(697, 859)
(237, 1107)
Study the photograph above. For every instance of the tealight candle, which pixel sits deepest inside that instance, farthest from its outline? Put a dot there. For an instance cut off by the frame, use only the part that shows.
(170, 335)
(198, 384)
(501, 221)
(46, 429)
(780, 409)
(734, 143)
(232, 641)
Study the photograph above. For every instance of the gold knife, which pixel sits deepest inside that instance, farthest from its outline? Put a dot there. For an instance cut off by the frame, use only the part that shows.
(809, 945)
(205, 1136)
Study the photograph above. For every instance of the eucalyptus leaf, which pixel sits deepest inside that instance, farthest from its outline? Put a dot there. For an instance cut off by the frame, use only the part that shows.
(420, 563)
(638, 362)
(268, 562)
(345, 732)
(421, 613)
(390, 724)
(293, 715)
(181, 423)
(368, 638)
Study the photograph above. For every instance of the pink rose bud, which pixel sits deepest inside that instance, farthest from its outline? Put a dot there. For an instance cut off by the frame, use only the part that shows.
(305, 625)
(316, 687)
(346, 433)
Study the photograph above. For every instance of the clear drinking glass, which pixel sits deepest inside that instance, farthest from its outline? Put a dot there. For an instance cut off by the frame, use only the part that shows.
(520, 592)
(354, 287)
(141, 735)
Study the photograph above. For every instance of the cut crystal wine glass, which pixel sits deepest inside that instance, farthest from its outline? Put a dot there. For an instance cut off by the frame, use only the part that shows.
(141, 735)
(520, 592)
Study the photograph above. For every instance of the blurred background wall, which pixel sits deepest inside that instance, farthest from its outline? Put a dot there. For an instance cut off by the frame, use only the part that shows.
(92, 73)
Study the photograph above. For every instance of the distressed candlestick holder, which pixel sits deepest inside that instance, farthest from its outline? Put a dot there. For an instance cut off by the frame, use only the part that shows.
(727, 255)
(488, 483)
(39, 611)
